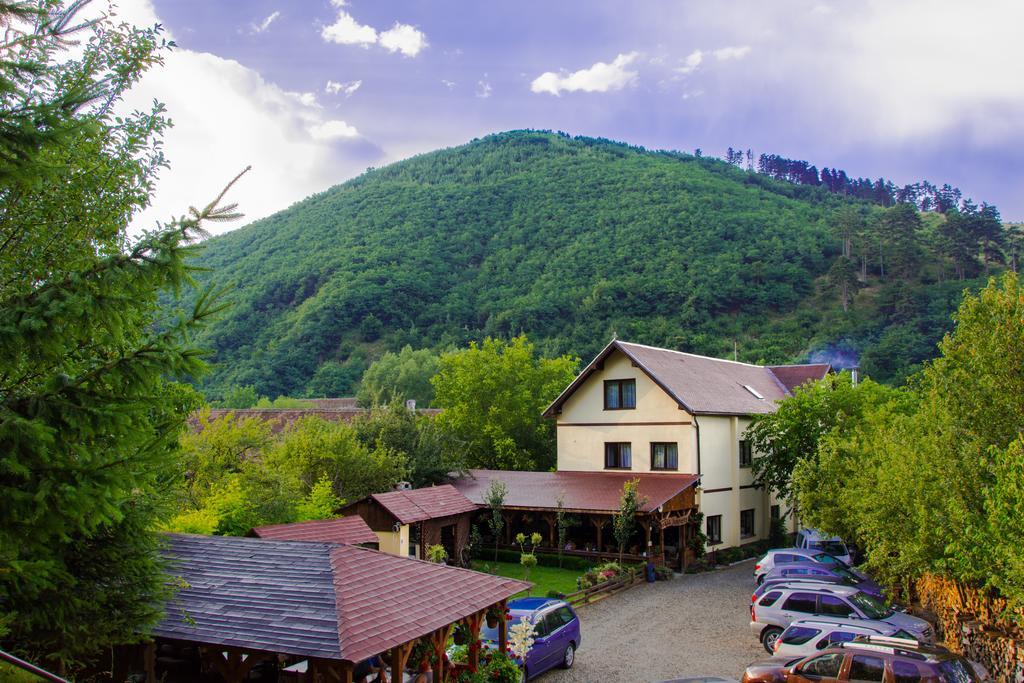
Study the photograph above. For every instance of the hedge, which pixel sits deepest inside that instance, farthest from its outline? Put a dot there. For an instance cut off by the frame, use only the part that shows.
(543, 559)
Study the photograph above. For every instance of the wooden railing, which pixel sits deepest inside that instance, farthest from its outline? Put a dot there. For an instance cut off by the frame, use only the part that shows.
(582, 597)
(31, 668)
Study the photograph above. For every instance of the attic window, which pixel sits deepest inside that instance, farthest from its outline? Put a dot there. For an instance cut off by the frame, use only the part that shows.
(753, 391)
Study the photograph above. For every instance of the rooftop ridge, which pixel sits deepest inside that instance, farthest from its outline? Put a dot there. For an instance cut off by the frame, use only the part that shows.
(692, 355)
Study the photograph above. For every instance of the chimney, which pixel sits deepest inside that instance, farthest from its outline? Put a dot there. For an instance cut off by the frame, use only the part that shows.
(410, 404)
(855, 374)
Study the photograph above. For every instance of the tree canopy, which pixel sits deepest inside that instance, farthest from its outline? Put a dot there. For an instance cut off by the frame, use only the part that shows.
(89, 411)
(931, 480)
(492, 396)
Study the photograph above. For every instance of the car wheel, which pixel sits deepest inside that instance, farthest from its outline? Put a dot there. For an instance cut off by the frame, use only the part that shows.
(769, 636)
(760, 579)
(569, 656)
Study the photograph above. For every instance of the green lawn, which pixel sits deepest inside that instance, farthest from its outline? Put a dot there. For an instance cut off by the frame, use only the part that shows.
(544, 579)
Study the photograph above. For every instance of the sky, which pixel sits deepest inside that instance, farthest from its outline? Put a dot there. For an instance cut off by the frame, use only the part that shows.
(311, 93)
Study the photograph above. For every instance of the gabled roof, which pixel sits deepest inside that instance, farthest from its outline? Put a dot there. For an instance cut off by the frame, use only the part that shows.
(795, 375)
(351, 529)
(418, 505)
(699, 384)
(581, 491)
(314, 599)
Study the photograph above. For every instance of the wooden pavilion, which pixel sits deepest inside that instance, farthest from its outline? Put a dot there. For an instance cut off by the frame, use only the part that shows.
(244, 603)
(666, 516)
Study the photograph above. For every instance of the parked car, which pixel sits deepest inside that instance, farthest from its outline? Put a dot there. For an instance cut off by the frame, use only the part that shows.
(782, 556)
(556, 633)
(782, 605)
(811, 539)
(825, 573)
(873, 659)
(804, 637)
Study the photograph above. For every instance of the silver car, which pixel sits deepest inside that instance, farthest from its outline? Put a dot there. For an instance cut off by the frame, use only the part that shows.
(811, 539)
(780, 606)
(783, 556)
(805, 637)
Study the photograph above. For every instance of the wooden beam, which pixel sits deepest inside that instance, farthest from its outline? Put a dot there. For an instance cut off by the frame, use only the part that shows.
(503, 627)
(149, 661)
(473, 622)
(439, 639)
(399, 657)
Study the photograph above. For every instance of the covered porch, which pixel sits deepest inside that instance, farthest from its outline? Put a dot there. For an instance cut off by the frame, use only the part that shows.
(664, 520)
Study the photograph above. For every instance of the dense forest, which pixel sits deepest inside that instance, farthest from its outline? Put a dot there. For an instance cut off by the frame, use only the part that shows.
(574, 240)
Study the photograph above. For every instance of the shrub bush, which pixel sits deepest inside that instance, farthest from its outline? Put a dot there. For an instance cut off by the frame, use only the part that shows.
(543, 559)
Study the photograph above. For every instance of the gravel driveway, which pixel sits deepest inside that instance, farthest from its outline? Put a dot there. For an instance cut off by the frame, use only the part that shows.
(694, 625)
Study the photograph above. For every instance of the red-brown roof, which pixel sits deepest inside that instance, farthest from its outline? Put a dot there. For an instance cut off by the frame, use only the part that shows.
(418, 505)
(314, 599)
(699, 384)
(795, 375)
(584, 491)
(385, 600)
(352, 530)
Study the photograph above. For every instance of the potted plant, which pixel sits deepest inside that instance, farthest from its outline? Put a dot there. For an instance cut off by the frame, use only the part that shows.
(460, 636)
(494, 614)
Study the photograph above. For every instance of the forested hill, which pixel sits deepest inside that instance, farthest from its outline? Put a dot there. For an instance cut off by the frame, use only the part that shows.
(570, 240)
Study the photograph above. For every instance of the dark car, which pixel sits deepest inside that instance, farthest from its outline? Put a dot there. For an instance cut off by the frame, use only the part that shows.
(873, 659)
(556, 633)
(813, 571)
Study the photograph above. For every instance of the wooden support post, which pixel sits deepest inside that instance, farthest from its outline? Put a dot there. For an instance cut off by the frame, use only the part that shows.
(503, 627)
(472, 623)
(661, 541)
(399, 656)
(599, 523)
(149, 661)
(439, 639)
(346, 672)
(647, 537)
(552, 521)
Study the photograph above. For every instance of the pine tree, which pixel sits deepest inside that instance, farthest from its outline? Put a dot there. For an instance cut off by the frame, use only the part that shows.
(89, 411)
(843, 276)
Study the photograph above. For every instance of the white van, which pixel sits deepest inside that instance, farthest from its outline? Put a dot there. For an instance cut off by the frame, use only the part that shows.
(810, 539)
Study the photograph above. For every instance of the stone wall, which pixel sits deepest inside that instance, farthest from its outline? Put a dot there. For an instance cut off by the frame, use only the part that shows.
(976, 624)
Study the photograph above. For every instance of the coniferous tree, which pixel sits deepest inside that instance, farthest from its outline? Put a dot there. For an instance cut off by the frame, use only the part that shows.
(89, 416)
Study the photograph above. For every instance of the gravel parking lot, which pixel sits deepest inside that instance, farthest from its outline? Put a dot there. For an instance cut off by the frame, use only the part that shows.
(694, 625)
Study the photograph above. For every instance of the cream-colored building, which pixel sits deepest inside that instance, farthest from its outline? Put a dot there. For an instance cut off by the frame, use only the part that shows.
(644, 409)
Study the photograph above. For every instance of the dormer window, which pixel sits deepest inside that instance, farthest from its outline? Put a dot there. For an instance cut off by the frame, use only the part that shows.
(619, 394)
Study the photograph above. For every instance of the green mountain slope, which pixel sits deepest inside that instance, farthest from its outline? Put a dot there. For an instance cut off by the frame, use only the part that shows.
(567, 240)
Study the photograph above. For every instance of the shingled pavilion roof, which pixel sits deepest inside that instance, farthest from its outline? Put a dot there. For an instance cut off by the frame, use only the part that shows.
(329, 601)
(594, 492)
(702, 385)
(417, 505)
(351, 530)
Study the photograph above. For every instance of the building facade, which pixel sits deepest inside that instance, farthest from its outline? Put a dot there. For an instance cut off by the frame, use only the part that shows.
(641, 409)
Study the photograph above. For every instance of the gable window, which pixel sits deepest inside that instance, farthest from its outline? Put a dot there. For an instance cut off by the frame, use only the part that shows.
(746, 455)
(619, 394)
(714, 529)
(618, 456)
(747, 522)
(664, 456)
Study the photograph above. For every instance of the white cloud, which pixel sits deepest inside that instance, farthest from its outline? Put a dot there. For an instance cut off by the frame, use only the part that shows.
(346, 89)
(345, 30)
(403, 38)
(690, 64)
(600, 77)
(265, 24)
(229, 117)
(483, 88)
(448, 84)
(732, 52)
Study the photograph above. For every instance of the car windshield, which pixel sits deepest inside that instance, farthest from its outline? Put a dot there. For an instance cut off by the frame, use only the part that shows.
(831, 547)
(825, 558)
(845, 573)
(872, 607)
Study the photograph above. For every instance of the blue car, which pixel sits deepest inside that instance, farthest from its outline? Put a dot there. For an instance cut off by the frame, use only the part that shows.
(556, 633)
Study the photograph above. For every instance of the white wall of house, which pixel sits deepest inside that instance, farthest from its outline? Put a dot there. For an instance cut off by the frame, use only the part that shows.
(584, 426)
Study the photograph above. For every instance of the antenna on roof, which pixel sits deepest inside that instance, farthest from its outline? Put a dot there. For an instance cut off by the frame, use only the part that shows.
(615, 335)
